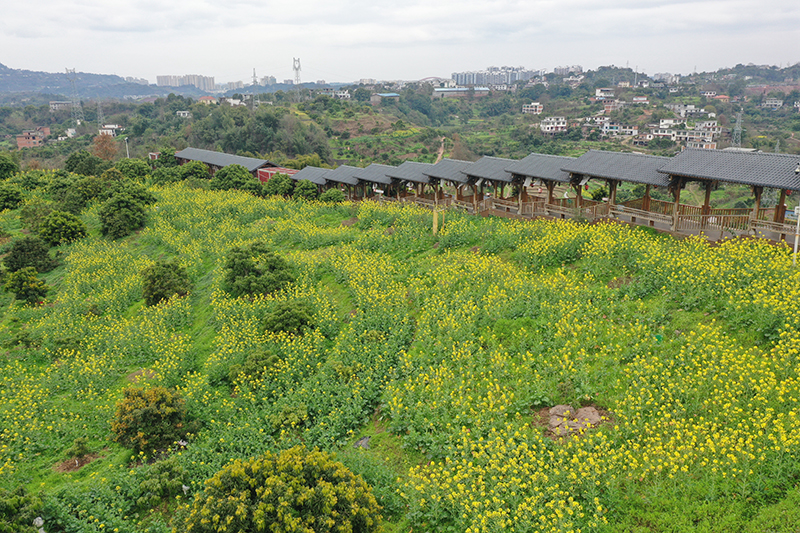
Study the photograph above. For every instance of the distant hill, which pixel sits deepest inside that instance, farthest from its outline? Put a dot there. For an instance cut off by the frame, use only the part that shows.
(88, 85)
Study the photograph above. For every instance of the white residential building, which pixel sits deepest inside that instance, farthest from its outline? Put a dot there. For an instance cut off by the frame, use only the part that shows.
(534, 108)
(553, 125)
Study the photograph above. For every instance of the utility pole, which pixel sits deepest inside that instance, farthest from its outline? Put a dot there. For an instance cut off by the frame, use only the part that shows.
(77, 110)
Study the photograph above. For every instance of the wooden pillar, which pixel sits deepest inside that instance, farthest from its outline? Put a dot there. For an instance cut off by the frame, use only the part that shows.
(754, 214)
(551, 185)
(578, 195)
(780, 211)
(646, 199)
(475, 198)
(706, 209)
(676, 193)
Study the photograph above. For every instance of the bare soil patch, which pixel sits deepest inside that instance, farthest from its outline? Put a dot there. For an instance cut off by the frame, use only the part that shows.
(73, 465)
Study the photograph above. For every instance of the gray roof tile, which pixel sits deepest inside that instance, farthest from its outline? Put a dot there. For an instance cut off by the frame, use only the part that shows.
(748, 168)
(490, 168)
(411, 171)
(375, 173)
(542, 166)
(315, 175)
(636, 168)
(343, 174)
(449, 170)
(221, 159)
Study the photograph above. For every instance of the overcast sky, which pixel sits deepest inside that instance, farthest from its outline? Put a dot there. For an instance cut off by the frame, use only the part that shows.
(407, 39)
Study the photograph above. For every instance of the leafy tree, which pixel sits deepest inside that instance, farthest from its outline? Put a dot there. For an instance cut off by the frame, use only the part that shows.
(305, 190)
(235, 177)
(121, 215)
(163, 175)
(295, 490)
(104, 147)
(280, 185)
(289, 317)
(10, 196)
(60, 227)
(133, 169)
(253, 270)
(8, 167)
(334, 196)
(147, 419)
(362, 95)
(26, 286)
(194, 170)
(85, 163)
(33, 213)
(79, 449)
(166, 158)
(163, 279)
(29, 251)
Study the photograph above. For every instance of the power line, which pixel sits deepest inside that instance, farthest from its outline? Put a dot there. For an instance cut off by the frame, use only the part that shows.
(77, 109)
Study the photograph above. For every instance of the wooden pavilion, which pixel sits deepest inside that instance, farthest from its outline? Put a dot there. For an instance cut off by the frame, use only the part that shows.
(452, 171)
(545, 169)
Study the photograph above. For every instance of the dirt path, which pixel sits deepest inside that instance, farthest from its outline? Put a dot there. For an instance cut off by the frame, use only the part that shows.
(441, 152)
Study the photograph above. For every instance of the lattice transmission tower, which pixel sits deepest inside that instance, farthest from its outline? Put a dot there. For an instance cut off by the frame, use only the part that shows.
(736, 137)
(77, 109)
(296, 68)
(100, 118)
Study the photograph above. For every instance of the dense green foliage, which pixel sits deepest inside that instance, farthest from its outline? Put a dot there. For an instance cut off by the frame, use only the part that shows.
(26, 286)
(121, 215)
(305, 190)
(295, 490)
(133, 169)
(60, 227)
(289, 317)
(279, 184)
(149, 419)
(164, 279)
(334, 196)
(255, 269)
(18, 510)
(8, 167)
(10, 196)
(29, 251)
(235, 177)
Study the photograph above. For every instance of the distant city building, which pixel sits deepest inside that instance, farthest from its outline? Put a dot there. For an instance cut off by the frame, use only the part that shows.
(613, 105)
(204, 83)
(772, 103)
(109, 129)
(708, 94)
(268, 80)
(565, 71)
(624, 84)
(208, 100)
(702, 145)
(640, 100)
(367, 81)
(614, 128)
(288, 82)
(534, 108)
(140, 81)
(183, 114)
(666, 77)
(493, 76)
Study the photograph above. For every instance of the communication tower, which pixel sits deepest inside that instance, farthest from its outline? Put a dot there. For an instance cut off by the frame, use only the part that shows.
(296, 68)
(77, 110)
(255, 78)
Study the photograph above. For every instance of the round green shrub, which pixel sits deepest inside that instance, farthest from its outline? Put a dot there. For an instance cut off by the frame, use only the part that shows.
(305, 190)
(10, 196)
(289, 317)
(254, 270)
(8, 167)
(235, 177)
(163, 279)
(121, 215)
(29, 251)
(60, 227)
(280, 185)
(148, 419)
(334, 196)
(295, 490)
(26, 286)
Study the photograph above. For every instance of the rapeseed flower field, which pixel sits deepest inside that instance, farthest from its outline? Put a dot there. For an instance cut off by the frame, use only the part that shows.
(446, 351)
